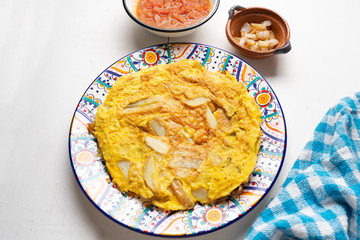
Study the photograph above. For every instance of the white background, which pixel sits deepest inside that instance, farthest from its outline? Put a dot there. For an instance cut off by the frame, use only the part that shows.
(50, 52)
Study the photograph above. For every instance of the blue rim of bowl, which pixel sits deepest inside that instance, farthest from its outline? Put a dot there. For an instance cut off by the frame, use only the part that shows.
(199, 233)
(164, 30)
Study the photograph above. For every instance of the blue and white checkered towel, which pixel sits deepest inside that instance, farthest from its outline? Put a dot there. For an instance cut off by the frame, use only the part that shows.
(320, 199)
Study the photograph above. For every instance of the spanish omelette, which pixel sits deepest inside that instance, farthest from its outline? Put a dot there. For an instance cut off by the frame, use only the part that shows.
(178, 134)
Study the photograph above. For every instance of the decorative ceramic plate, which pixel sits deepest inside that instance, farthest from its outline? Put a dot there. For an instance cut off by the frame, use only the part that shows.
(139, 214)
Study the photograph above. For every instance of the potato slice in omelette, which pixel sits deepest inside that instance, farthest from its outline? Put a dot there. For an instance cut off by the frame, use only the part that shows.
(178, 134)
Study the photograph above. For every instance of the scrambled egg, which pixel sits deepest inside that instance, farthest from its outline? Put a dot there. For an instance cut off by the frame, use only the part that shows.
(178, 134)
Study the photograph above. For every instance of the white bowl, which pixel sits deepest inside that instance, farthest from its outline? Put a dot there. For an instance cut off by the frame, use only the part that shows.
(130, 5)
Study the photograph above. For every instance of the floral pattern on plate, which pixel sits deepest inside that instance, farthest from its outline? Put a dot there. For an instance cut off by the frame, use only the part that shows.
(139, 214)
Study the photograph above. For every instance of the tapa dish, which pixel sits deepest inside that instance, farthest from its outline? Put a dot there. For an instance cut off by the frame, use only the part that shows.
(138, 214)
(130, 8)
(178, 134)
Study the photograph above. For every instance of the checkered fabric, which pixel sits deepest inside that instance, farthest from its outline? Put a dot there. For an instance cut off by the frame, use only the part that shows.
(320, 199)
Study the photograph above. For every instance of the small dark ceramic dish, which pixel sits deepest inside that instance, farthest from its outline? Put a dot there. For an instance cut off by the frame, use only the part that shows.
(239, 15)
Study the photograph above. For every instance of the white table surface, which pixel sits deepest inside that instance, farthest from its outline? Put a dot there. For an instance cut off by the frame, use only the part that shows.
(50, 52)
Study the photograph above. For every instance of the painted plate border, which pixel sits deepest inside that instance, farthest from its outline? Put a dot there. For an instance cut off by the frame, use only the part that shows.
(139, 214)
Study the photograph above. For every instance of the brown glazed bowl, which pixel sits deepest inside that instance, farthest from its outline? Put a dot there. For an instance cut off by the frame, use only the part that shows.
(238, 15)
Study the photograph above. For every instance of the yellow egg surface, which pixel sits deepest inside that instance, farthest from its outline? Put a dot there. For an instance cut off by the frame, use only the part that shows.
(178, 134)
